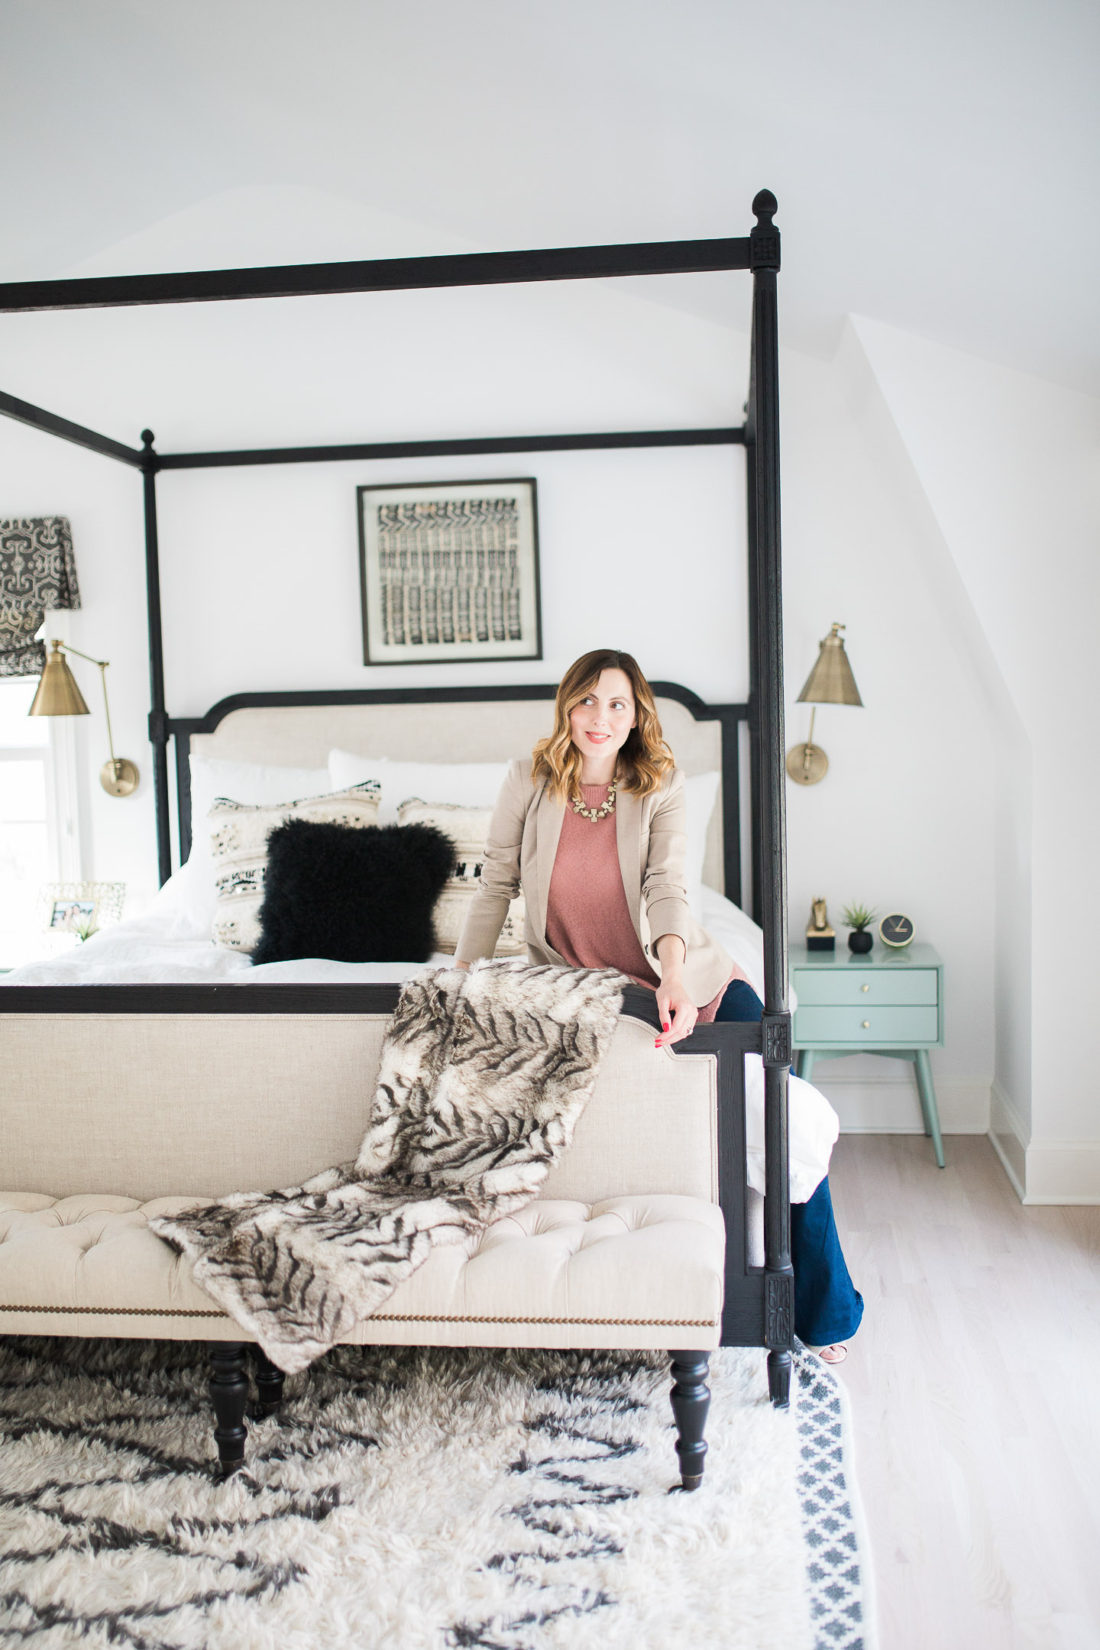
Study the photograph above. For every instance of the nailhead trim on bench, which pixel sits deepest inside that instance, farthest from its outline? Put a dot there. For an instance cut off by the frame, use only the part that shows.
(377, 1317)
(119, 1311)
(627, 1323)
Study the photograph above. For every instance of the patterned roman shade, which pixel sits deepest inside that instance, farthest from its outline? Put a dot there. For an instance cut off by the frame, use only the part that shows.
(37, 570)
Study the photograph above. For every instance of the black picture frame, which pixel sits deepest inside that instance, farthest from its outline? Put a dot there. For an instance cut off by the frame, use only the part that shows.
(449, 571)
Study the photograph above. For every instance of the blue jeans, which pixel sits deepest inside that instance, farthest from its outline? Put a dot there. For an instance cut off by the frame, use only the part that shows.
(827, 1305)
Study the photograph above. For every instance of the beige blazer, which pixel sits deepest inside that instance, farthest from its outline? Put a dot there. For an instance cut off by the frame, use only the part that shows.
(650, 833)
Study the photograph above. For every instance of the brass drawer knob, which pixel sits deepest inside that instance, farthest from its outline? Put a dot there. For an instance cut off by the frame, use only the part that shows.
(865, 988)
(866, 1025)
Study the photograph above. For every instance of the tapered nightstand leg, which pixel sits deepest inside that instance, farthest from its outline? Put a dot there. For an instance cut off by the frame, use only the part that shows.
(928, 1105)
(804, 1064)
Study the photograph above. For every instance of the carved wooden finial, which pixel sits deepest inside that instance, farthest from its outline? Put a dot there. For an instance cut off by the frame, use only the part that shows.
(765, 206)
(764, 236)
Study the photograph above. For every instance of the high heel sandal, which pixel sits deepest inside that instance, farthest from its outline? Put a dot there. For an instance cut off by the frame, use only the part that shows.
(834, 1353)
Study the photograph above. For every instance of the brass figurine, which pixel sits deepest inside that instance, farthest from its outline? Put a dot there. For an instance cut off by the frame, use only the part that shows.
(819, 936)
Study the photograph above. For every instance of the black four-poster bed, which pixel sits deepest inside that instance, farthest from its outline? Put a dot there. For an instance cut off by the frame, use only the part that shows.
(758, 1306)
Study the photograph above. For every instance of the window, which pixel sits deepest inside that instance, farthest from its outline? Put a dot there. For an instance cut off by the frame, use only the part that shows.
(37, 842)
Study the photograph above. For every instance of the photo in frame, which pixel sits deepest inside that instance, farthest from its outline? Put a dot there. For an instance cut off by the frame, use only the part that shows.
(81, 909)
(449, 572)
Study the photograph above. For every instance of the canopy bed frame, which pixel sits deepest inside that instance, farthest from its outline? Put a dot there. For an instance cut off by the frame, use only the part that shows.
(759, 1302)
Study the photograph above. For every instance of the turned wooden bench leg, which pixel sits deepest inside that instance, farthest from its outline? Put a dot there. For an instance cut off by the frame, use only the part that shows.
(690, 1403)
(779, 1378)
(229, 1394)
(269, 1385)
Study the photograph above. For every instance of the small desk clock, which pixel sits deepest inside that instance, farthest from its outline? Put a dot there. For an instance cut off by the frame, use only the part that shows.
(896, 930)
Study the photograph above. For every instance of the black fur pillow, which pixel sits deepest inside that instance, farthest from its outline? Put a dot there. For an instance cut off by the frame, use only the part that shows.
(355, 893)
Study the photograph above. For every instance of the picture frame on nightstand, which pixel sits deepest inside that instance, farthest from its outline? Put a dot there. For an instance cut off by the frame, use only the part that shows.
(74, 911)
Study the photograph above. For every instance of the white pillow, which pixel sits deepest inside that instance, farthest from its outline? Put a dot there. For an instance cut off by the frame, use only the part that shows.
(188, 900)
(736, 933)
(238, 841)
(467, 829)
(186, 904)
(463, 784)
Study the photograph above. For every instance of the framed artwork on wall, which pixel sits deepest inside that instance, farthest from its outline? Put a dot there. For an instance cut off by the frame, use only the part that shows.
(449, 572)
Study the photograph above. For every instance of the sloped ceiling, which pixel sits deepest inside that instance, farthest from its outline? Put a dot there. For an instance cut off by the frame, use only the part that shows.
(935, 165)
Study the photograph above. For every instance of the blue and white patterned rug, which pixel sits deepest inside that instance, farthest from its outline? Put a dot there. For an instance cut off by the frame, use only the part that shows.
(422, 1500)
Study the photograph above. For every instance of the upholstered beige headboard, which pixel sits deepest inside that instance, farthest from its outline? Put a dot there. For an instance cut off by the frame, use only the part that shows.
(437, 730)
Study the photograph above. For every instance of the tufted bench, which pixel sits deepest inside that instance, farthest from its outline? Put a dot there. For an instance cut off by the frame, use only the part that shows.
(613, 1272)
(624, 1249)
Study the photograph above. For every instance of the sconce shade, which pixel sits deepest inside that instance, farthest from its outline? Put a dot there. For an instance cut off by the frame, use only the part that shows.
(831, 682)
(58, 694)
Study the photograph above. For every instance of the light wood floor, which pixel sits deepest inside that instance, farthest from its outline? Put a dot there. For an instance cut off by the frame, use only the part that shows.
(975, 1388)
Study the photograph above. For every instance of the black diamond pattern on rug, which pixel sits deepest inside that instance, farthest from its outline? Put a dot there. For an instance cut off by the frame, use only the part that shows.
(829, 1528)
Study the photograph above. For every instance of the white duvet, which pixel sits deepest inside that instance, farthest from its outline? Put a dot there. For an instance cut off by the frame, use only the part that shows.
(170, 944)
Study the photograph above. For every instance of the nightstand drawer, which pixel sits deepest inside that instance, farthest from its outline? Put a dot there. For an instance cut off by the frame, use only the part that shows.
(864, 988)
(905, 1025)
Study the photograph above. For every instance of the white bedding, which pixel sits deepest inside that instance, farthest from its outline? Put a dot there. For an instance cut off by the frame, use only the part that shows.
(165, 947)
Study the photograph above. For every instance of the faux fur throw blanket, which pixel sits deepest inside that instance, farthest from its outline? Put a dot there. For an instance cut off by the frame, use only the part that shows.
(483, 1077)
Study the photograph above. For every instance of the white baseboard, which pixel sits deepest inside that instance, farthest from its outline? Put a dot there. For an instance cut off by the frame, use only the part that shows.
(1043, 1171)
(867, 1103)
(1063, 1171)
(1008, 1137)
(1039, 1171)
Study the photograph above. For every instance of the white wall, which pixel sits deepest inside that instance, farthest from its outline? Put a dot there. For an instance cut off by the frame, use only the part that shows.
(638, 549)
(1007, 463)
(385, 366)
(903, 820)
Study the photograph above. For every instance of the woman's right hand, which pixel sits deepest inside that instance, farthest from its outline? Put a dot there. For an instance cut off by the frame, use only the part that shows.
(678, 1013)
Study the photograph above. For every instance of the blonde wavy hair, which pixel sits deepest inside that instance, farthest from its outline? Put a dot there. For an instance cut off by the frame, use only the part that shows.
(644, 760)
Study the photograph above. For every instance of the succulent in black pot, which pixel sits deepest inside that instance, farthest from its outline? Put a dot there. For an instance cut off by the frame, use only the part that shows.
(859, 919)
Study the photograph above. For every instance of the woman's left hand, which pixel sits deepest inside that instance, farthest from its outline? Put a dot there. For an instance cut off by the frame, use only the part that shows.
(678, 1012)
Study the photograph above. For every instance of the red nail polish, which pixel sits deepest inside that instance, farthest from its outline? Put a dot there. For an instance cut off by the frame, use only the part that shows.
(664, 1025)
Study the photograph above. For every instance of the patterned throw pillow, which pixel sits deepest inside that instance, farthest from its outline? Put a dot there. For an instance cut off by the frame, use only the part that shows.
(238, 841)
(467, 829)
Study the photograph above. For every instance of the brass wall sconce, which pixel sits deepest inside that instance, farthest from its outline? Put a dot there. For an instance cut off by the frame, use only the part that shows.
(59, 695)
(830, 682)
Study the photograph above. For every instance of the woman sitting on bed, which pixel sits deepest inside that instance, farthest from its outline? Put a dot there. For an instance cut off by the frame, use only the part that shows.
(592, 832)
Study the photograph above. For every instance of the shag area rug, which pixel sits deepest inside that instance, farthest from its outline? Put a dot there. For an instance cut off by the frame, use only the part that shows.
(422, 1499)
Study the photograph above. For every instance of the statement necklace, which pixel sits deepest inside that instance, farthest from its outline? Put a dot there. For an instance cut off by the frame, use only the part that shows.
(605, 808)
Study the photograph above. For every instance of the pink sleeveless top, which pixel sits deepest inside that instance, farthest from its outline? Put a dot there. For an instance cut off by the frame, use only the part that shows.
(587, 917)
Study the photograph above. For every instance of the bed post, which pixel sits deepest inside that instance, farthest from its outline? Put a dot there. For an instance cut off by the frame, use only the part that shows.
(771, 897)
(158, 720)
(756, 846)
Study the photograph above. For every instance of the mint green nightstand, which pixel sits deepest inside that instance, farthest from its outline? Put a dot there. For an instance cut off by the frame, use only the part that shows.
(885, 1002)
